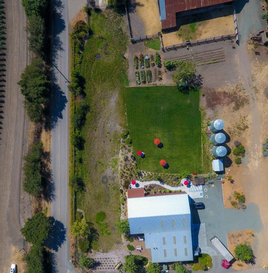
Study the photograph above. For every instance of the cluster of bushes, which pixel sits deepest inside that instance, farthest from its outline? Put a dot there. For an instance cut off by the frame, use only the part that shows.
(35, 83)
(77, 86)
(243, 252)
(239, 200)
(239, 152)
(171, 65)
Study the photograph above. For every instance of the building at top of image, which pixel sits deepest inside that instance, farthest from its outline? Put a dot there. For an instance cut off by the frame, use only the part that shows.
(169, 9)
(165, 222)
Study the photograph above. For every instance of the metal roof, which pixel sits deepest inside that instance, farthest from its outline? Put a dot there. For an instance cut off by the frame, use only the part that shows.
(158, 206)
(170, 246)
(162, 8)
(174, 6)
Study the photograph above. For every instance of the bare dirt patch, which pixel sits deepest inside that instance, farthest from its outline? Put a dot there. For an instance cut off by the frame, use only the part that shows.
(148, 12)
(236, 238)
(200, 30)
(80, 16)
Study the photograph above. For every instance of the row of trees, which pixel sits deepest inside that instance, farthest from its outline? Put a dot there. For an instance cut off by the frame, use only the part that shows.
(35, 86)
(35, 82)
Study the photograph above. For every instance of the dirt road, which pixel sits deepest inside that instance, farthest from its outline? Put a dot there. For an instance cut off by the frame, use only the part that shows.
(12, 135)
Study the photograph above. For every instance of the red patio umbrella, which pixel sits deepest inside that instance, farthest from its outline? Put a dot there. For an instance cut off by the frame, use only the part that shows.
(133, 182)
(186, 183)
(157, 141)
(163, 162)
(139, 152)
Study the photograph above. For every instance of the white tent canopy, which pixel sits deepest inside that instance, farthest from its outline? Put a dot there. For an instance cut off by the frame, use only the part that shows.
(217, 165)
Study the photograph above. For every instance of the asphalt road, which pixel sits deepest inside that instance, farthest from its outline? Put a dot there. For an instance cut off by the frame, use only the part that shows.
(12, 134)
(60, 133)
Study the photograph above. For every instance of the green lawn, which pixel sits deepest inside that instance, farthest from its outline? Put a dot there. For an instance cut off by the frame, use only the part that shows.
(175, 118)
(154, 44)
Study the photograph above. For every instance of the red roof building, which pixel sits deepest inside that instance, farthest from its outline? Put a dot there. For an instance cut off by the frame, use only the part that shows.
(169, 9)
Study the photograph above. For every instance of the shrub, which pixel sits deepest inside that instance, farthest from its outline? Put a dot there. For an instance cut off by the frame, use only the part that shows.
(170, 65)
(241, 198)
(77, 84)
(238, 160)
(130, 247)
(79, 118)
(158, 59)
(83, 245)
(239, 150)
(234, 204)
(128, 141)
(244, 253)
(125, 134)
(130, 239)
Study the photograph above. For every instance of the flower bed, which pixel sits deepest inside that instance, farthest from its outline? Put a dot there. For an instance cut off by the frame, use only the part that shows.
(137, 77)
(141, 61)
(136, 62)
(158, 59)
(143, 77)
(149, 75)
(147, 61)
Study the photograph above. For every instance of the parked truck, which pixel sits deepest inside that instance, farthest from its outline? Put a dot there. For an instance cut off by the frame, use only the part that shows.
(222, 249)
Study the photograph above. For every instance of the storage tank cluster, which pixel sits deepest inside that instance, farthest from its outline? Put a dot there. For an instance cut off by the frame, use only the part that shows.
(218, 138)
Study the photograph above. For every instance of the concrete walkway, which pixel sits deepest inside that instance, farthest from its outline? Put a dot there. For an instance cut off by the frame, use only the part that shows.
(192, 191)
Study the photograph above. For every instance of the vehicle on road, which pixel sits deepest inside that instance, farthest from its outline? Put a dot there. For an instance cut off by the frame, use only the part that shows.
(199, 205)
(13, 268)
(222, 249)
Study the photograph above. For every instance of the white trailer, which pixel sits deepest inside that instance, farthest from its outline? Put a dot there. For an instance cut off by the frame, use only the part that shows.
(222, 249)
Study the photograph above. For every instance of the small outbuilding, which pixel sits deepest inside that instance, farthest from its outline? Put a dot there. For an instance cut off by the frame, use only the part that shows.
(217, 165)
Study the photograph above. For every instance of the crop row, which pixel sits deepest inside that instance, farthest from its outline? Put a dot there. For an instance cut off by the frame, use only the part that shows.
(142, 61)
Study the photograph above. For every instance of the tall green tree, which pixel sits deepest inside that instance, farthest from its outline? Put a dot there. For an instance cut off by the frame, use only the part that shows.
(34, 7)
(34, 85)
(36, 30)
(35, 259)
(80, 228)
(32, 168)
(153, 268)
(185, 73)
(36, 229)
(134, 263)
(244, 253)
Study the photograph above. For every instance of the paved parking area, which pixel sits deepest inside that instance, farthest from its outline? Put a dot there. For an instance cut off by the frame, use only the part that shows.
(220, 221)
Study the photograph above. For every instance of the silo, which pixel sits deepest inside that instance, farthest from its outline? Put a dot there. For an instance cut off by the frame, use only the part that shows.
(216, 125)
(218, 138)
(219, 151)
